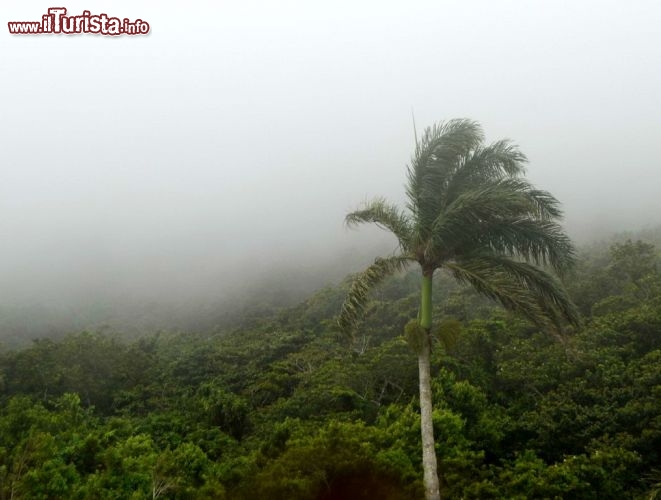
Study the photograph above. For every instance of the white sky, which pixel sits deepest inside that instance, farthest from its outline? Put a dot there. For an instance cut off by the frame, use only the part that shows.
(236, 136)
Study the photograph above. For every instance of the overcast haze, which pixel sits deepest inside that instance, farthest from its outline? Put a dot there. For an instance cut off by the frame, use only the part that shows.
(232, 140)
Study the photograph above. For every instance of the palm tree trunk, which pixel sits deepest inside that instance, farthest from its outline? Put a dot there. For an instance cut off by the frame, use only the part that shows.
(429, 464)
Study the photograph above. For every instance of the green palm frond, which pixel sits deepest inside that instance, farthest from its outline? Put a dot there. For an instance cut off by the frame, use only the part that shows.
(437, 154)
(363, 283)
(506, 211)
(542, 242)
(500, 198)
(496, 161)
(543, 285)
(519, 287)
(546, 205)
(470, 210)
(385, 215)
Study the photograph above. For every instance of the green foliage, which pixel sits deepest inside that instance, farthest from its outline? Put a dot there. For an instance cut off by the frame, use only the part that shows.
(225, 410)
(340, 461)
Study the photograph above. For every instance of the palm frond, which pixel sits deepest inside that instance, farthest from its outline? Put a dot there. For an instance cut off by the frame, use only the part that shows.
(542, 242)
(502, 210)
(363, 283)
(487, 163)
(542, 284)
(546, 205)
(385, 215)
(502, 198)
(519, 287)
(437, 153)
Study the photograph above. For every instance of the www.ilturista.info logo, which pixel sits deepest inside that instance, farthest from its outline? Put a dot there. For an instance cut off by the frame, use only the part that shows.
(57, 22)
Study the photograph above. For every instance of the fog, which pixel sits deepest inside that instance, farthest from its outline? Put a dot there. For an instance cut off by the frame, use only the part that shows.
(224, 148)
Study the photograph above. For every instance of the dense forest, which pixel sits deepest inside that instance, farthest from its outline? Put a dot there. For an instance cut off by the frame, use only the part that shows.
(274, 404)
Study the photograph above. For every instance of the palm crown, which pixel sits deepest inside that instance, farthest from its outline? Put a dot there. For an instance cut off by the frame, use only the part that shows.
(471, 213)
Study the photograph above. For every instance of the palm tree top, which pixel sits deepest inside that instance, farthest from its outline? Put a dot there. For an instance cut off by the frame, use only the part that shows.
(471, 212)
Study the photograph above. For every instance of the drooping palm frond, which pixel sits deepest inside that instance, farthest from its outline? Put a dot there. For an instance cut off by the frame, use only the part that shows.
(385, 215)
(519, 287)
(542, 284)
(363, 283)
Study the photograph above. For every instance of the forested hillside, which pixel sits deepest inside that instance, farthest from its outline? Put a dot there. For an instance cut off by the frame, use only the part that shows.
(279, 407)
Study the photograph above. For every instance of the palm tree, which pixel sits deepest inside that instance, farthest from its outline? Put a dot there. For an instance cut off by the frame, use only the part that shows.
(471, 214)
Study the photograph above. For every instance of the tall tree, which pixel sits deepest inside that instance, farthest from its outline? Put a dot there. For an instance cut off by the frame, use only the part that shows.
(469, 213)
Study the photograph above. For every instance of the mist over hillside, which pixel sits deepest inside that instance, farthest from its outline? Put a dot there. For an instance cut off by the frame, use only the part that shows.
(229, 305)
(219, 300)
(151, 181)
